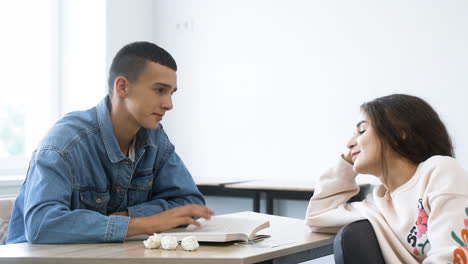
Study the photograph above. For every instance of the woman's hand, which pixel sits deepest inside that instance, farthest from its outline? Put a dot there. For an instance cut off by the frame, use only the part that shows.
(348, 156)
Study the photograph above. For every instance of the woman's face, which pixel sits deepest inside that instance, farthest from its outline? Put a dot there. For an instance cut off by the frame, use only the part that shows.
(365, 148)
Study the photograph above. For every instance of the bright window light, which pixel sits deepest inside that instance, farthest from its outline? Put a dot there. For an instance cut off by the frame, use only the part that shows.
(26, 63)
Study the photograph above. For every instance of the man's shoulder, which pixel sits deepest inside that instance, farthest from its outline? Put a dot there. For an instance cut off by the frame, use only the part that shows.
(158, 136)
(71, 128)
(158, 139)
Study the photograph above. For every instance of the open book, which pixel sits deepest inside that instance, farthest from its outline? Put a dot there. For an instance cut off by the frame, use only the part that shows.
(222, 228)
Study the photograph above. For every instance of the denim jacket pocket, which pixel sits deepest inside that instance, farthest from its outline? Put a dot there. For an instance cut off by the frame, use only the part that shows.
(95, 201)
(140, 188)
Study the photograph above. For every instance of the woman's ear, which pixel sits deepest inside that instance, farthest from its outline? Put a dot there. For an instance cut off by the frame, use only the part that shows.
(121, 86)
(403, 135)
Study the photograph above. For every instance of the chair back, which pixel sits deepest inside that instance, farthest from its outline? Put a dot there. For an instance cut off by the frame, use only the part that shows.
(6, 206)
(357, 243)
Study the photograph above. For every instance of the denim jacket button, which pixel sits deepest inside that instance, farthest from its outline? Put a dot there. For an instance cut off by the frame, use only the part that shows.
(98, 200)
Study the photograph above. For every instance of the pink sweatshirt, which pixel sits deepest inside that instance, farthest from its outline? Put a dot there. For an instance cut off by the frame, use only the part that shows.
(423, 221)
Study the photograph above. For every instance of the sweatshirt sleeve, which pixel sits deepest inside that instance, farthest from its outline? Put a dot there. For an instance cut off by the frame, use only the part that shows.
(328, 209)
(447, 224)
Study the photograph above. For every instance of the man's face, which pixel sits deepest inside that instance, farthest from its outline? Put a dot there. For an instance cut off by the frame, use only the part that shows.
(150, 96)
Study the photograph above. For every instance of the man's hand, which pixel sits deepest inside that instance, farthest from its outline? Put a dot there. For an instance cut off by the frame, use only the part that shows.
(124, 213)
(168, 219)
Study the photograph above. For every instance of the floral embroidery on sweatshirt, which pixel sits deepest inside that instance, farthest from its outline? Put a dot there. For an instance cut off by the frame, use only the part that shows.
(417, 236)
(459, 254)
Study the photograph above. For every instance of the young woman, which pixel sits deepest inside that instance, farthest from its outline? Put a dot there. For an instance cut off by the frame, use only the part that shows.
(420, 211)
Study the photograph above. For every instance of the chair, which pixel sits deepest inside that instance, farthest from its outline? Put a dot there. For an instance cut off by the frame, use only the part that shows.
(6, 205)
(357, 243)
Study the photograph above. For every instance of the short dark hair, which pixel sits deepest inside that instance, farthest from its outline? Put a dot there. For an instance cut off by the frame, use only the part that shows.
(410, 126)
(130, 61)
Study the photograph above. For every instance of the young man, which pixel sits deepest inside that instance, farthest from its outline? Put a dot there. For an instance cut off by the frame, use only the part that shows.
(108, 173)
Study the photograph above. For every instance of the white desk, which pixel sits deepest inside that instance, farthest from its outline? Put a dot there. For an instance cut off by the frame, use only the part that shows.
(287, 189)
(215, 187)
(305, 246)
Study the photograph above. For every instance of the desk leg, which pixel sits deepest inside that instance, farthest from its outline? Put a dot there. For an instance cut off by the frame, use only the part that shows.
(269, 203)
(256, 202)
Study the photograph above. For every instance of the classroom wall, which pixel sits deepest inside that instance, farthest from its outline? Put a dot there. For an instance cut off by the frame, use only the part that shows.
(272, 89)
(127, 21)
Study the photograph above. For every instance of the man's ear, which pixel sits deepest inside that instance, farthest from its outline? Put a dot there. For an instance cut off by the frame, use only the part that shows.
(121, 86)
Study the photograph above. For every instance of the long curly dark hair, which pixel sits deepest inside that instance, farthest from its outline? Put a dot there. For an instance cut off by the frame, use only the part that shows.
(409, 126)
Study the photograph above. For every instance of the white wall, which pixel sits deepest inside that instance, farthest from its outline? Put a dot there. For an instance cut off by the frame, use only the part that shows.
(82, 76)
(127, 21)
(272, 89)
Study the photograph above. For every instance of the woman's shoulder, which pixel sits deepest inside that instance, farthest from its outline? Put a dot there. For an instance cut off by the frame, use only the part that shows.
(441, 163)
(444, 173)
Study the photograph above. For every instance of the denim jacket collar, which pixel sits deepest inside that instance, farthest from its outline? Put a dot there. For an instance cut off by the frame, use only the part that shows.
(110, 141)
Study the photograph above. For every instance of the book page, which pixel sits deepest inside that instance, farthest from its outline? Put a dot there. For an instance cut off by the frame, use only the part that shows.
(227, 224)
(227, 227)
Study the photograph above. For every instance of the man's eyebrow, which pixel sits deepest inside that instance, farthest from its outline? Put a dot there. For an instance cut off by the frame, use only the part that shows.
(165, 85)
(162, 84)
(361, 122)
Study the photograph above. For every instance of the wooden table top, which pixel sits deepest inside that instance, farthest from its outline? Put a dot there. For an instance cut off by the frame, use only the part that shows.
(283, 229)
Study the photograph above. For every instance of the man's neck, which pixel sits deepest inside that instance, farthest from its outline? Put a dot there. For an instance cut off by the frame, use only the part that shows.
(123, 125)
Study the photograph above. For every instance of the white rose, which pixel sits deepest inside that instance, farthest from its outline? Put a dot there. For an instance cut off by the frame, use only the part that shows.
(169, 242)
(190, 243)
(153, 241)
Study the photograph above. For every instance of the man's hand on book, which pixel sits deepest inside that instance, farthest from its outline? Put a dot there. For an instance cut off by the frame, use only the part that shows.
(122, 213)
(168, 219)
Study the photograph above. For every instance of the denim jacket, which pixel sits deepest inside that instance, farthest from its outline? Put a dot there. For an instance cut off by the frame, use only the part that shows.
(78, 176)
